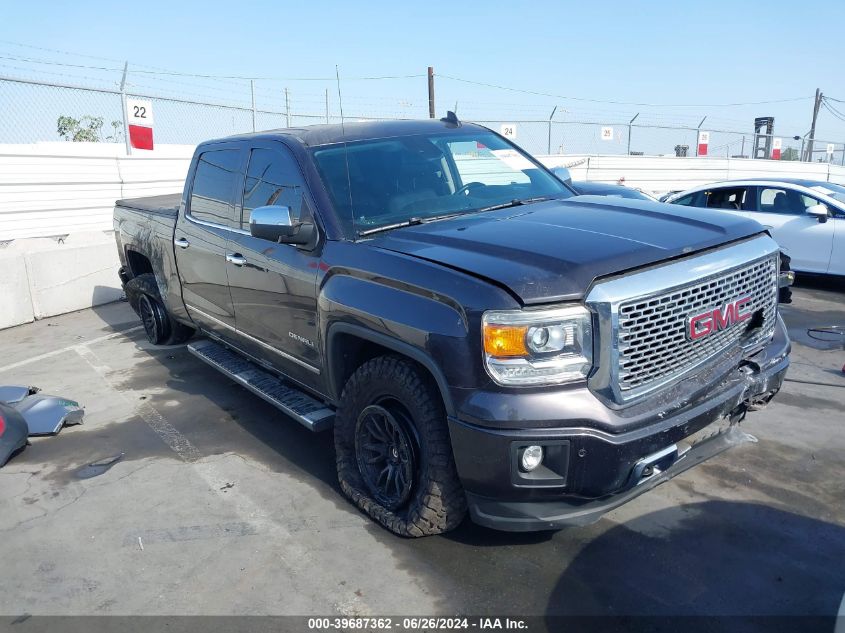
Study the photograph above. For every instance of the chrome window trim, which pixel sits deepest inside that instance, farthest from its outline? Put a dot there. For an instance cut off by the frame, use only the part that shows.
(214, 225)
(605, 298)
(285, 355)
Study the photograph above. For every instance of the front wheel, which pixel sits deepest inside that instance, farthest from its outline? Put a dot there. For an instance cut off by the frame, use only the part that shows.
(394, 457)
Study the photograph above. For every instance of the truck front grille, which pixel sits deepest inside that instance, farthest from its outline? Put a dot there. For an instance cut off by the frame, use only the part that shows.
(643, 339)
(652, 339)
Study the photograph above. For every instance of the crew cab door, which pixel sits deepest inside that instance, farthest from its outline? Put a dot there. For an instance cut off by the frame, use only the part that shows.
(274, 286)
(201, 234)
(806, 240)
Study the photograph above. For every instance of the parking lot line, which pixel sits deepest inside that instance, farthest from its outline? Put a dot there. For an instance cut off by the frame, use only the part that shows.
(69, 348)
(169, 435)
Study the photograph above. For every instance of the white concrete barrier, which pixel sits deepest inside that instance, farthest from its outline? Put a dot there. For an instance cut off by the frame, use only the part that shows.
(14, 290)
(57, 249)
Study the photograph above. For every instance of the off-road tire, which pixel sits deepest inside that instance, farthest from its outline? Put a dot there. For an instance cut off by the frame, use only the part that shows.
(437, 502)
(169, 331)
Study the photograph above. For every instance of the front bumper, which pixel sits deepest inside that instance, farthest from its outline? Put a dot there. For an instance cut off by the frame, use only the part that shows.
(594, 469)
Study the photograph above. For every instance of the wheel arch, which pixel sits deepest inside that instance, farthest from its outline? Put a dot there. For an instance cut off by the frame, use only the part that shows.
(339, 367)
(138, 262)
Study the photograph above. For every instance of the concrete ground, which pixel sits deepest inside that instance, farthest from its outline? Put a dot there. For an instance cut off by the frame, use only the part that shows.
(221, 505)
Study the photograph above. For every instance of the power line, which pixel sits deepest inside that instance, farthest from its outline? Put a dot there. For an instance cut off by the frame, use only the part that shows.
(630, 103)
(200, 75)
(836, 113)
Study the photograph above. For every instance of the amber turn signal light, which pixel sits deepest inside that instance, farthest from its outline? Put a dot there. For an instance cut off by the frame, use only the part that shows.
(505, 340)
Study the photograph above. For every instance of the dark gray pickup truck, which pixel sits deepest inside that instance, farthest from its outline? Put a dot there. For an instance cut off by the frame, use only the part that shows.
(476, 339)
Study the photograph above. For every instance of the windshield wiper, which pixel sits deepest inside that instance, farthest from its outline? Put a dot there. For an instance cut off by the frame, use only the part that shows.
(516, 202)
(390, 227)
(415, 220)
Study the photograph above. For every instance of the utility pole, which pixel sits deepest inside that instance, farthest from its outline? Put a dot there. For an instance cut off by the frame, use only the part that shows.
(431, 92)
(816, 107)
(287, 108)
(551, 116)
(327, 105)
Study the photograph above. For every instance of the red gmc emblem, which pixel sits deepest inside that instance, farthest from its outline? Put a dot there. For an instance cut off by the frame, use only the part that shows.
(713, 321)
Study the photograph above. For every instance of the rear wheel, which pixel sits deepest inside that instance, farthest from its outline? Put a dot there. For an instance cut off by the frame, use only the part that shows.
(160, 328)
(394, 457)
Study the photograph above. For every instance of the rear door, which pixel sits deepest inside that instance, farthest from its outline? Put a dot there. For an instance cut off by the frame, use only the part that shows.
(202, 232)
(274, 286)
(806, 240)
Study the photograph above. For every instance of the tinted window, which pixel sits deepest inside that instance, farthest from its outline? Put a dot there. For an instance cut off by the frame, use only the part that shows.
(272, 178)
(686, 201)
(733, 199)
(781, 200)
(214, 186)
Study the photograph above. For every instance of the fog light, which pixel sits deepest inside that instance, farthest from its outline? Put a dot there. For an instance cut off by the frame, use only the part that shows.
(531, 457)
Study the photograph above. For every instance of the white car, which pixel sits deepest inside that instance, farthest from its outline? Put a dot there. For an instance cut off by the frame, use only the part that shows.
(806, 217)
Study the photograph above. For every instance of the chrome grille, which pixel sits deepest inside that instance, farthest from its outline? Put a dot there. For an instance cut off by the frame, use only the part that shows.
(651, 336)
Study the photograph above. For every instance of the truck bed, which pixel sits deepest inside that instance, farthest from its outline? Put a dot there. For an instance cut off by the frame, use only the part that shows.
(167, 204)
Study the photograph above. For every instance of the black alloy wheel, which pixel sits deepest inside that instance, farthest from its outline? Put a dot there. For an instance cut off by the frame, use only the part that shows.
(148, 312)
(386, 453)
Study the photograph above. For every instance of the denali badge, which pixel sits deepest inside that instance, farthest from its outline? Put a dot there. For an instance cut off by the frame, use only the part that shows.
(712, 321)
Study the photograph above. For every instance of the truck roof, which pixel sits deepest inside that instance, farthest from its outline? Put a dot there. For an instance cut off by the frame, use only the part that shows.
(328, 134)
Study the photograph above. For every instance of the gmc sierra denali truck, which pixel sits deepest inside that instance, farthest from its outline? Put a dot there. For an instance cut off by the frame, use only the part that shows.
(476, 339)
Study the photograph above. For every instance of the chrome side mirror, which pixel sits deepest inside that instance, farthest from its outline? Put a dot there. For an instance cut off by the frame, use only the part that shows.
(819, 211)
(274, 223)
(563, 174)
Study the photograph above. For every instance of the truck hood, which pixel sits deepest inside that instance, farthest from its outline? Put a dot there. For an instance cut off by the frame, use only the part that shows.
(552, 251)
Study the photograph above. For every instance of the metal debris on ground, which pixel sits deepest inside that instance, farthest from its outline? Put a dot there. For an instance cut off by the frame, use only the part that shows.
(44, 414)
(97, 468)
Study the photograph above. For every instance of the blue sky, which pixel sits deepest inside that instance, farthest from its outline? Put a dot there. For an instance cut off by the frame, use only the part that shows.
(652, 52)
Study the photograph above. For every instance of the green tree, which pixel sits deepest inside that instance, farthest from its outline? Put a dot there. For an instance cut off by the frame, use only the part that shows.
(86, 129)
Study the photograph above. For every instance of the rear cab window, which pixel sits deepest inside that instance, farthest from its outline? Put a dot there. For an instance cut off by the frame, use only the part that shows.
(213, 189)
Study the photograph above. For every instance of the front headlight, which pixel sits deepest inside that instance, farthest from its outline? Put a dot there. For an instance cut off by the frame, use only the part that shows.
(537, 347)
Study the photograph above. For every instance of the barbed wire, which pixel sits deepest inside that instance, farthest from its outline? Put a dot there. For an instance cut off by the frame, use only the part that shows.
(630, 103)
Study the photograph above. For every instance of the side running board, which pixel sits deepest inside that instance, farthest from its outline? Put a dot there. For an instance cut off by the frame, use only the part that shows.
(306, 410)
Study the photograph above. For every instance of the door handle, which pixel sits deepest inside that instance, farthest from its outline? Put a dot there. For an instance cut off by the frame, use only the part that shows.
(182, 242)
(235, 258)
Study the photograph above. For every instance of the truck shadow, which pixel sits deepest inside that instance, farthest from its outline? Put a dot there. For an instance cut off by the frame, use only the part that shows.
(203, 404)
(722, 558)
(713, 558)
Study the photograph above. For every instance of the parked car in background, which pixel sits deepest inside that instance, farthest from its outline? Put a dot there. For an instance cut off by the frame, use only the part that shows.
(585, 188)
(604, 189)
(665, 197)
(806, 217)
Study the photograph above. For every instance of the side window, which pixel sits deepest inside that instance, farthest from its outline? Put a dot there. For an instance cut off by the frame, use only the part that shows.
(733, 199)
(214, 187)
(686, 201)
(273, 178)
(780, 200)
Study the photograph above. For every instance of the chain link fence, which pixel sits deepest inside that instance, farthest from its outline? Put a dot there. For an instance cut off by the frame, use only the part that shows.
(35, 111)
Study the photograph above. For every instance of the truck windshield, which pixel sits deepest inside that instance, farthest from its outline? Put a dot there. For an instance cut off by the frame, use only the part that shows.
(384, 182)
